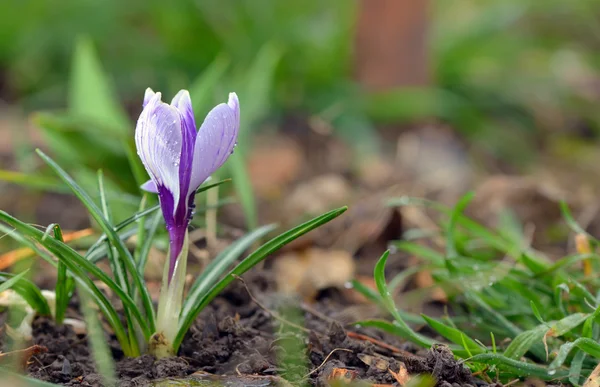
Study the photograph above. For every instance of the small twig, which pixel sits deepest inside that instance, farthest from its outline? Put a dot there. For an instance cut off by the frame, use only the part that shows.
(307, 308)
(325, 361)
(273, 314)
(360, 336)
(511, 382)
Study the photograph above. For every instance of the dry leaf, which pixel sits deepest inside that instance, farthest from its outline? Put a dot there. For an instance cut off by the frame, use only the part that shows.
(8, 259)
(317, 195)
(308, 271)
(343, 375)
(273, 163)
(594, 379)
(402, 376)
(374, 361)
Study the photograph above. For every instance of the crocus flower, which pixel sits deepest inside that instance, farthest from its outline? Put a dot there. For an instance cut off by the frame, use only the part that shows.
(179, 158)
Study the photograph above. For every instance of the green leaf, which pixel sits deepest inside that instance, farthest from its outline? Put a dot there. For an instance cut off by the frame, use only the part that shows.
(575, 368)
(536, 312)
(26, 289)
(388, 302)
(459, 208)
(455, 335)
(90, 93)
(250, 261)
(203, 87)
(62, 286)
(367, 292)
(219, 265)
(114, 239)
(32, 181)
(572, 223)
(524, 341)
(100, 349)
(518, 368)
(77, 264)
(421, 251)
(397, 330)
(587, 345)
(11, 282)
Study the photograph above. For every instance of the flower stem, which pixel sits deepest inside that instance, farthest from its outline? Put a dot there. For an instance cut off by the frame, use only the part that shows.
(169, 306)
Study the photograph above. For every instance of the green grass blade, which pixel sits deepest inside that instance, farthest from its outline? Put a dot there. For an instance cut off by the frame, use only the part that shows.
(116, 264)
(62, 286)
(572, 223)
(524, 341)
(98, 344)
(576, 367)
(36, 182)
(250, 261)
(77, 264)
(421, 251)
(12, 281)
(26, 289)
(203, 87)
(112, 236)
(217, 267)
(144, 249)
(518, 368)
(90, 94)
(455, 335)
(587, 345)
(388, 302)
(457, 211)
(241, 181)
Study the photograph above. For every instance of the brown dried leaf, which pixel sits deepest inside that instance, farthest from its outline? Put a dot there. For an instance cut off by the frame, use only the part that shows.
(308, 271)
(273, 164)
(9, 258)
(343, 374)
(594, 379)
(402, 376)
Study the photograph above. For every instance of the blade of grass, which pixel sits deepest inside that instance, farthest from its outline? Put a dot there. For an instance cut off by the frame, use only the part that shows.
(26, 289)
(455, 335)
(217, 267)
(518, 368)
(250, 261)
(112, 236)
(77, 264)
(32, 181)
(144, 249)
(98, 343)
(62, 287)
(388, 302)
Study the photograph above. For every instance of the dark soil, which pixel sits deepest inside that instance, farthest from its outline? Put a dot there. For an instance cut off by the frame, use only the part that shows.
(237, 337)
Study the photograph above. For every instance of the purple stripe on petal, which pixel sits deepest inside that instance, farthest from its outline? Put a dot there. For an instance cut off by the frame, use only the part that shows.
(183, 104)
(215, 141)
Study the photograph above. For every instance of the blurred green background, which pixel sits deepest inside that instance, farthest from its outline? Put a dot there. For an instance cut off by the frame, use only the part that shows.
(511, 77)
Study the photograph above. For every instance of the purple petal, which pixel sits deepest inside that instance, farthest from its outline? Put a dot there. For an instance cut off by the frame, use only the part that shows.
(183, 103)
(216, 139)
(149, 186)
(158, 139)
(148, 96)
